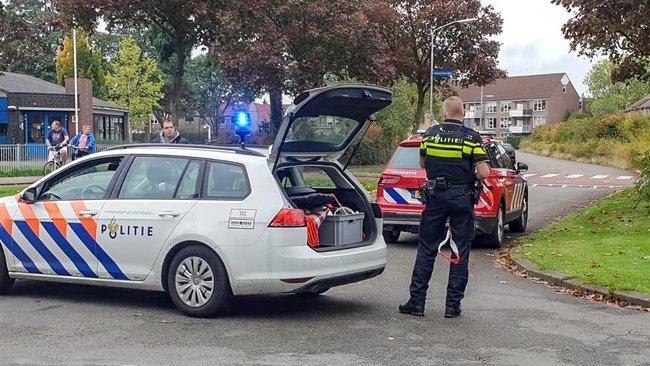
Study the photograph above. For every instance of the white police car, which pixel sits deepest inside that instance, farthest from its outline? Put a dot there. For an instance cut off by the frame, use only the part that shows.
(202, 223)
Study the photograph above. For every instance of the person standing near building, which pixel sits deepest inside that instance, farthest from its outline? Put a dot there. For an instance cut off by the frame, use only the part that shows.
(84, 143)
(169, 135)
(57, 136)
(453, 156)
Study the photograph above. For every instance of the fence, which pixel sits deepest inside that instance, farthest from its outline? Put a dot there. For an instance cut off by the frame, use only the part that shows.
(28, 158)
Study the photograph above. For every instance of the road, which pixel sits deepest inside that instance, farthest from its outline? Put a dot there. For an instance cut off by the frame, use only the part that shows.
(506, 320)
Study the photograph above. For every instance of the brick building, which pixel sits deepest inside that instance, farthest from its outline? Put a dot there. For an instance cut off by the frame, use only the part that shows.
(518, 104)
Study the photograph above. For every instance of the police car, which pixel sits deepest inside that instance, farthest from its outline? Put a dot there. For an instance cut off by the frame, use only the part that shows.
(199, 222)
(504, 200)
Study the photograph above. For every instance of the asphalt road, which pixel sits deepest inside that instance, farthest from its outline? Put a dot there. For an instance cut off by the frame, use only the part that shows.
(506, 320)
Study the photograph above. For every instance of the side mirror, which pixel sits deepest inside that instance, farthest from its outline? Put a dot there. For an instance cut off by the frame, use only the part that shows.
(521, 167)
(29, 195)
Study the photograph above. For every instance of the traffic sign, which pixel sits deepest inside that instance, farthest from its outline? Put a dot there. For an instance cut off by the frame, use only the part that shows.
(442, 73)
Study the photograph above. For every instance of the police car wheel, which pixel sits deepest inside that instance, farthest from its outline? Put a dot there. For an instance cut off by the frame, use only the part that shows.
(5, 281)
(391, 236)
(519, 225)
(495, 238)
(197, 282)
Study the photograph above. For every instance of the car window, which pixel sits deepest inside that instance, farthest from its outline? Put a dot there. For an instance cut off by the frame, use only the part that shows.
(492, 153)
(406, 158)
(189, 188)
(328, 129)
(88, 181)
(504, 159)
(152, 177)
(226, 181)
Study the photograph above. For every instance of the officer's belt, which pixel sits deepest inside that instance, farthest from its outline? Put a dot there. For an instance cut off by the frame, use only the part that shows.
(450, 185)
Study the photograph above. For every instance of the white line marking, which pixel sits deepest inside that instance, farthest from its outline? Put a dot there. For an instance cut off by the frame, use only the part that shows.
(564, 186)
(595, 187)
(529, 175)
(549, 175)
(622, 177)
(574, 176)
(599, 176)
(535, 185)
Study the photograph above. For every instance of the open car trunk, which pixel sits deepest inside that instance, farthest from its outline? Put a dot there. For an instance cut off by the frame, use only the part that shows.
(354, 227)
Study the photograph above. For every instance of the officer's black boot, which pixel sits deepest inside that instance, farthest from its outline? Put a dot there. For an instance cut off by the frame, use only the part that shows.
(411, 309)
(452, 312)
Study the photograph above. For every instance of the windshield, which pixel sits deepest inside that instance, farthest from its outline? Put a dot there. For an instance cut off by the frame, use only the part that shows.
(327, 129)
(406, 158)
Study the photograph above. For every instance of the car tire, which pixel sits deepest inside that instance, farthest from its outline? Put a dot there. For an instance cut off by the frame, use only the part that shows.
(391, 236)
(519, 225)
(6, 282)
(496, 238)
(192, 271)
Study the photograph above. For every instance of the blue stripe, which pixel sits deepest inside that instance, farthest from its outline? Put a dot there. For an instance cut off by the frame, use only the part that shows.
(65, 246)
(111, 267)
(51, 260)
(396, 196)
(18, 252)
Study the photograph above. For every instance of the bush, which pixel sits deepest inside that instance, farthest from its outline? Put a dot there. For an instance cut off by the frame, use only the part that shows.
(644, 183)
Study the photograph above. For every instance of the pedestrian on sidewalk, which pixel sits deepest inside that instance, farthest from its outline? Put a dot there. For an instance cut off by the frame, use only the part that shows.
(84, 142)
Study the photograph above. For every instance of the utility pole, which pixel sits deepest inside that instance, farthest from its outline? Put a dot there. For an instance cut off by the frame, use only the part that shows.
(76, 93)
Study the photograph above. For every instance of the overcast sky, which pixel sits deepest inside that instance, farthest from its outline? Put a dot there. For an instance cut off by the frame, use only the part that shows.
(532, 41)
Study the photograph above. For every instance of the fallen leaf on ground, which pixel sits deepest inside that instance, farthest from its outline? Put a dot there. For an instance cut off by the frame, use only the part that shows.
(391, 338)
(164, 321)
(607, 254)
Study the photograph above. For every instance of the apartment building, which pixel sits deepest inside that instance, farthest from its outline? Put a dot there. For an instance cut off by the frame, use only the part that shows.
(517, 104)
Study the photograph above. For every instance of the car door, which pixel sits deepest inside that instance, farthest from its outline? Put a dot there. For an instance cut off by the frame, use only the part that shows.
(154, 196)
(55, 235)
(514, 188)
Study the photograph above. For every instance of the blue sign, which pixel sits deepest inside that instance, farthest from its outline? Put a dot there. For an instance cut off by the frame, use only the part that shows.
(442, 73)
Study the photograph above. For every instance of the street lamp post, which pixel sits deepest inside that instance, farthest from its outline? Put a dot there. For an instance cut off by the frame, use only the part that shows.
(432, 33)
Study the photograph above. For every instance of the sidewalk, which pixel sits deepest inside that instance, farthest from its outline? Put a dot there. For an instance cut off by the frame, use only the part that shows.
(11, 181)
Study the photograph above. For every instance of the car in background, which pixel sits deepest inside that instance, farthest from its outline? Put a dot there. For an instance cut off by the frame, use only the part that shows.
(510, 150)
(503, 202)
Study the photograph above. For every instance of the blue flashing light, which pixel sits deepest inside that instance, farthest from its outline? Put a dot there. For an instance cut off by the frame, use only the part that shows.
(241, 120)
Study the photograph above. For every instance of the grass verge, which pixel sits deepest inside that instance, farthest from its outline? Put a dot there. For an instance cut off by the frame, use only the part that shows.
(606, 244)
(10, 190)
(21, 172)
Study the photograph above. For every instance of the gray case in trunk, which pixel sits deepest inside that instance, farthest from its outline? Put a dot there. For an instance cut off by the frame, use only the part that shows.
(342, 229)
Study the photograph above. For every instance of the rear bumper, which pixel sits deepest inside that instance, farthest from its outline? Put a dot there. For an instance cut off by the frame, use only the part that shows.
(327, 283)
(402, 218)
(485, 224)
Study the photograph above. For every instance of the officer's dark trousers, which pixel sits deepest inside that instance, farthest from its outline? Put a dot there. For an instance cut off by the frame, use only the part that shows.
(455, 204)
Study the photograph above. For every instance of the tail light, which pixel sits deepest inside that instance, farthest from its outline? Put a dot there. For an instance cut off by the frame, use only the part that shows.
(388, 179)
(289, 217)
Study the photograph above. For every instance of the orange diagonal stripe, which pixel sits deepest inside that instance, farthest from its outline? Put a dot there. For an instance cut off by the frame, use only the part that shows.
(57, 218)
(88, 223)
(30, 217)
(5, 218)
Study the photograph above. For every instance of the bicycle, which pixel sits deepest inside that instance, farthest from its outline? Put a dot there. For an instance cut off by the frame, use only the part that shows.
(56, 162)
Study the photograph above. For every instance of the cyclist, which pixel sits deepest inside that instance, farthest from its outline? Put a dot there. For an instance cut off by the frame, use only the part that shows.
(56, 137)
(84, 143)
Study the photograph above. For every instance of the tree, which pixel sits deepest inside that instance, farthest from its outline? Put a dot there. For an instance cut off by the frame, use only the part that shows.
(30, 32)
(183, 25)
(468, 50)
(286, 46)
(616, 28)
(90, 63)
(135, 83)
(613, 97)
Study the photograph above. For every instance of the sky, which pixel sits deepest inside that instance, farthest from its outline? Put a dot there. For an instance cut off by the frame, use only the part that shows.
(532, 41)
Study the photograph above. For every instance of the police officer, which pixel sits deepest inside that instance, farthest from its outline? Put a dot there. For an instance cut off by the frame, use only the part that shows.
(450, 154)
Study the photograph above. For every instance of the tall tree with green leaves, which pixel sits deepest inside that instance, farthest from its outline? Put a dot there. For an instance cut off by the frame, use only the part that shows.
(135, 83)
(30, 32)
(90, 63)
(613, 97)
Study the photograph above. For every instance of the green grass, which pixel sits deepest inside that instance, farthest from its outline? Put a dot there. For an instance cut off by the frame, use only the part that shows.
(606, 244)
(10, 190)
(22, 172)
(367, 169)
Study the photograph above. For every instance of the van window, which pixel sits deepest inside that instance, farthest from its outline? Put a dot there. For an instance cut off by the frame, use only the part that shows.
(226, 181)
(406, 158)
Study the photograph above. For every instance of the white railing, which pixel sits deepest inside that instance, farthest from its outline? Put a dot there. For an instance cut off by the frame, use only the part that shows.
(28, 157)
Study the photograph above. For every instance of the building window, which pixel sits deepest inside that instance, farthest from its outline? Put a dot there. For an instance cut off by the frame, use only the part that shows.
(491, 107)
(505, 107)
(491, 122)
(505, 122)
(540, 105)
(564, 89)
(539, 120)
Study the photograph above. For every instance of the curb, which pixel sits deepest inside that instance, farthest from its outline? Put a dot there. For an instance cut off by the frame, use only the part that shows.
(566, 281)
(15, 181)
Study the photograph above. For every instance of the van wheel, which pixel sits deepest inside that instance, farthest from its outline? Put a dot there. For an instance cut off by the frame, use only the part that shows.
(197, 282)
(519, 225)
(391, 236)
(495, 238)
(6, 282)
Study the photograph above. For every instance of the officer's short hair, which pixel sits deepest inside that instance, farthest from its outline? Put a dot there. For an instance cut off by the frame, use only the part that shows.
(453, 106)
